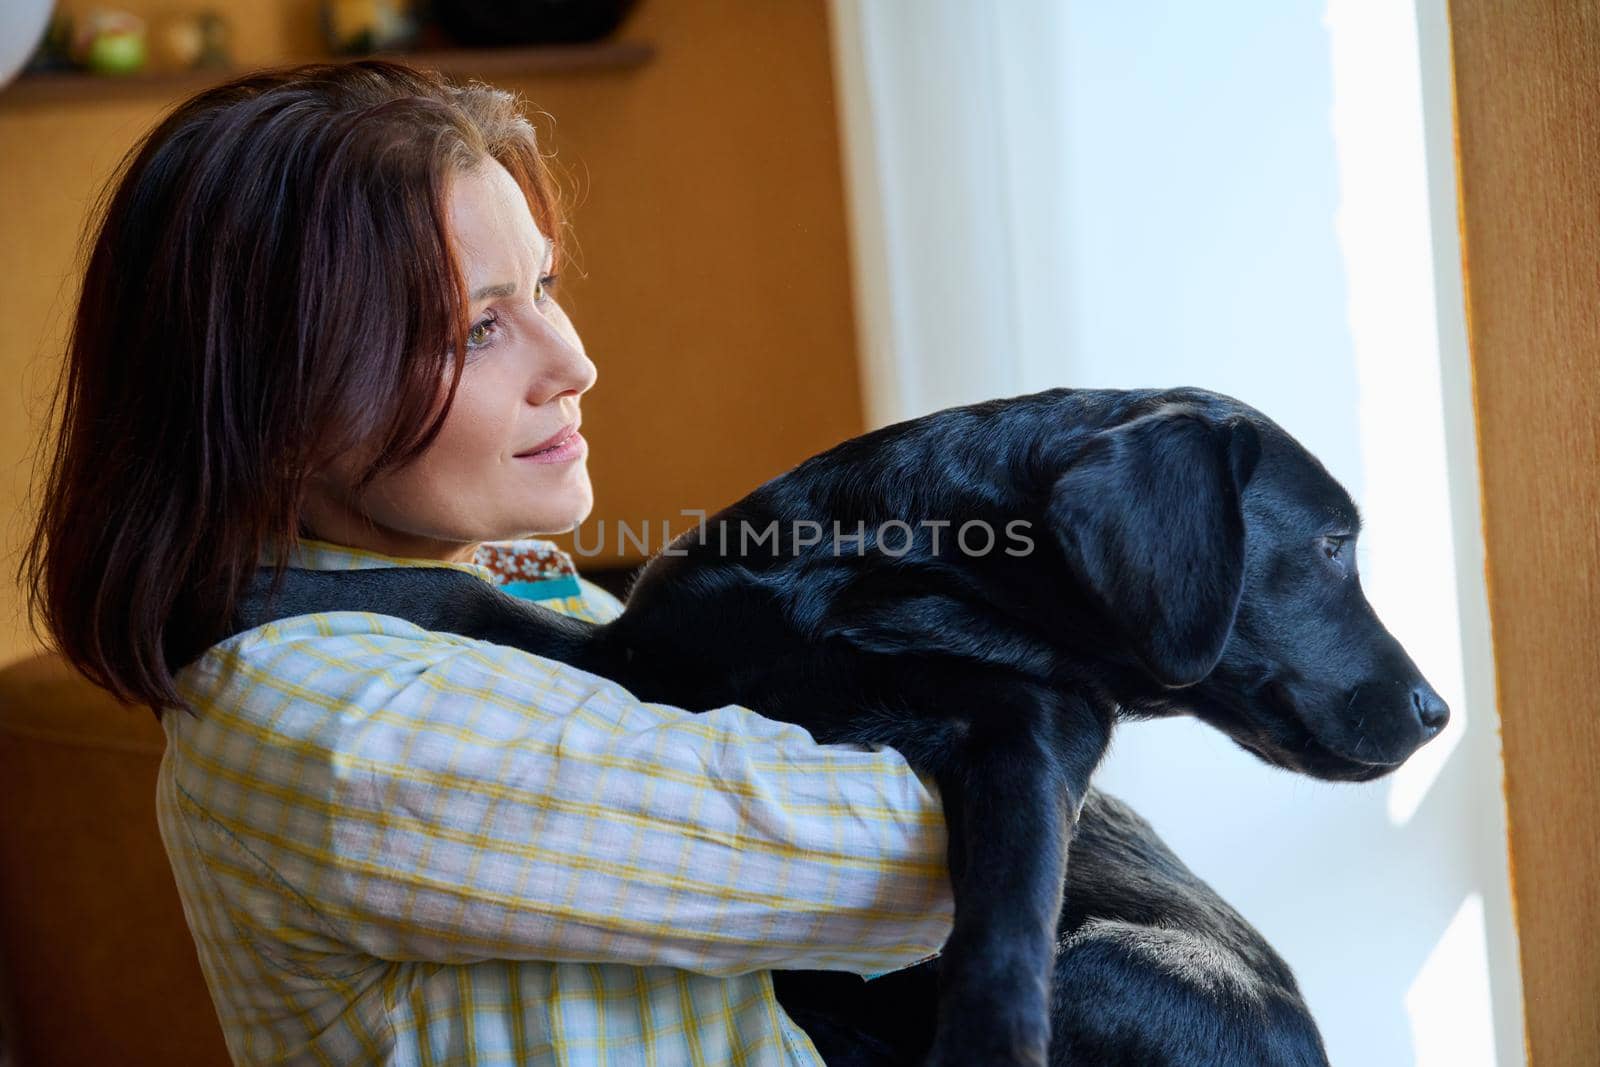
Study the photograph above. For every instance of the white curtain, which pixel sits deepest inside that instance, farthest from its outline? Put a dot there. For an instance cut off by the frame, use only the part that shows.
(948, 111)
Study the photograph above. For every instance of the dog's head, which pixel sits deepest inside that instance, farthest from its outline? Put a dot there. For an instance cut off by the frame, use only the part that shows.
(1224, 555)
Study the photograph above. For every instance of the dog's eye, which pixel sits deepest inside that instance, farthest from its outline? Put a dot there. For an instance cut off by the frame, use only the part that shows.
(1333, 545)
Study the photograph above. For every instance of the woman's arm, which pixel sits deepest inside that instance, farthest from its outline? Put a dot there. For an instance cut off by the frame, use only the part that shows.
(437, 798)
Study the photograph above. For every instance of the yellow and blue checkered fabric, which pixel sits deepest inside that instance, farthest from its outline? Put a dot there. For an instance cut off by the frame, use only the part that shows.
(396, 846)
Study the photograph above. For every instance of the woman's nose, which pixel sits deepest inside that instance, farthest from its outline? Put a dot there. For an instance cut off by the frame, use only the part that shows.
(562, 366)
(581, 371)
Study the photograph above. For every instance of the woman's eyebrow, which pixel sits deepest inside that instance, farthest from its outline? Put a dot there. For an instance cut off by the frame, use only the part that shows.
(502, 289)
(508, 288)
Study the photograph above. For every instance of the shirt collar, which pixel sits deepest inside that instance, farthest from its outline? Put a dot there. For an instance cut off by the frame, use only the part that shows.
(497, 562)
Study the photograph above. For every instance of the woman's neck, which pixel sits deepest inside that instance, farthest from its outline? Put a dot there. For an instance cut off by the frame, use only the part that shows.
(369, 536)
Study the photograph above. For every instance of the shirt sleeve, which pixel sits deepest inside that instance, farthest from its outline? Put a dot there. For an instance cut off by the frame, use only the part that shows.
(454, 800)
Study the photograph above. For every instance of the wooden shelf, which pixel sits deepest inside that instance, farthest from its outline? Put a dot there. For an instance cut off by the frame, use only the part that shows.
(58, 87)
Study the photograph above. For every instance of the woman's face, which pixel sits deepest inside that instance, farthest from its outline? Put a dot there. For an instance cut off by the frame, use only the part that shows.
(482, 478)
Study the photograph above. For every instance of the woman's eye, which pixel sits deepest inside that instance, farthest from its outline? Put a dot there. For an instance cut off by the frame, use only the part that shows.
(480, 333)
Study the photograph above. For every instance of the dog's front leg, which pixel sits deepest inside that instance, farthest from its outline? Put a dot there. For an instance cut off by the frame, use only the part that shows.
(1010, 799)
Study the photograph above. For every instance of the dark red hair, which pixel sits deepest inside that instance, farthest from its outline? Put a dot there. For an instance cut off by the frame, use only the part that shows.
(270, 284)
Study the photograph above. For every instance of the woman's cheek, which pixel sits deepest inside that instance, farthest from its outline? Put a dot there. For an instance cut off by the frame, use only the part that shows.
(480, 424)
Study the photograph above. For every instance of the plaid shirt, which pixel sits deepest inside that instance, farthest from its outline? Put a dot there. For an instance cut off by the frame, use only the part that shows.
(405, 847)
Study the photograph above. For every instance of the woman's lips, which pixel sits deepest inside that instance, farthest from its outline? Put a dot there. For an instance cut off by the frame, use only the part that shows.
(553, 440)
(568, 447)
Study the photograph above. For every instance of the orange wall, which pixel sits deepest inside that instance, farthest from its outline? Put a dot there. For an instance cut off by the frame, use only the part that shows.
(714, 295)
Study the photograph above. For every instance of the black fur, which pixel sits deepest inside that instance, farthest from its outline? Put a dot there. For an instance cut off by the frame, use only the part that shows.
(1187, 556)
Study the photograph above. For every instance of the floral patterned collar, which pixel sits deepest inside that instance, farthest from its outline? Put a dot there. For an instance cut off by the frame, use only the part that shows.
(531, 568)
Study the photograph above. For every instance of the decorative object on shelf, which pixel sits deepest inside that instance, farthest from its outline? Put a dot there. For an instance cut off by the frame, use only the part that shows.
(490, 23)
(55, 81)
(358, 27)
(30, 38)
(194, 40)
(109, 41)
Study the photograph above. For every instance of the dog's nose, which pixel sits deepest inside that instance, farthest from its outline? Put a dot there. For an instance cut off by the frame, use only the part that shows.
(1431, 709)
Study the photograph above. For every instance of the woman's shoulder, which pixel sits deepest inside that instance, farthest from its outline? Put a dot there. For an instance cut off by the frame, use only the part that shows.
(322, 682)
(322, 658)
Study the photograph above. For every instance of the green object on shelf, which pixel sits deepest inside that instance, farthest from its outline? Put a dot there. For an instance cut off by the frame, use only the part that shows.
(116, 53)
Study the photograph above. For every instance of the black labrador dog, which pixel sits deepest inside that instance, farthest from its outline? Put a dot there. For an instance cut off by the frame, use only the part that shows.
(989, 589)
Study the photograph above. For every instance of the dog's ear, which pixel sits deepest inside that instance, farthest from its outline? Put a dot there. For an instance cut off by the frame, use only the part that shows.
(1148, 518)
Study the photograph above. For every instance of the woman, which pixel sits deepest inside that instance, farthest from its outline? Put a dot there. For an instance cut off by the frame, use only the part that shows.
(317, 328)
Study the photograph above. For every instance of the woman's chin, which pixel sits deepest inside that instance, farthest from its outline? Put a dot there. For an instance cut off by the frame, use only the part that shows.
(560, 518)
